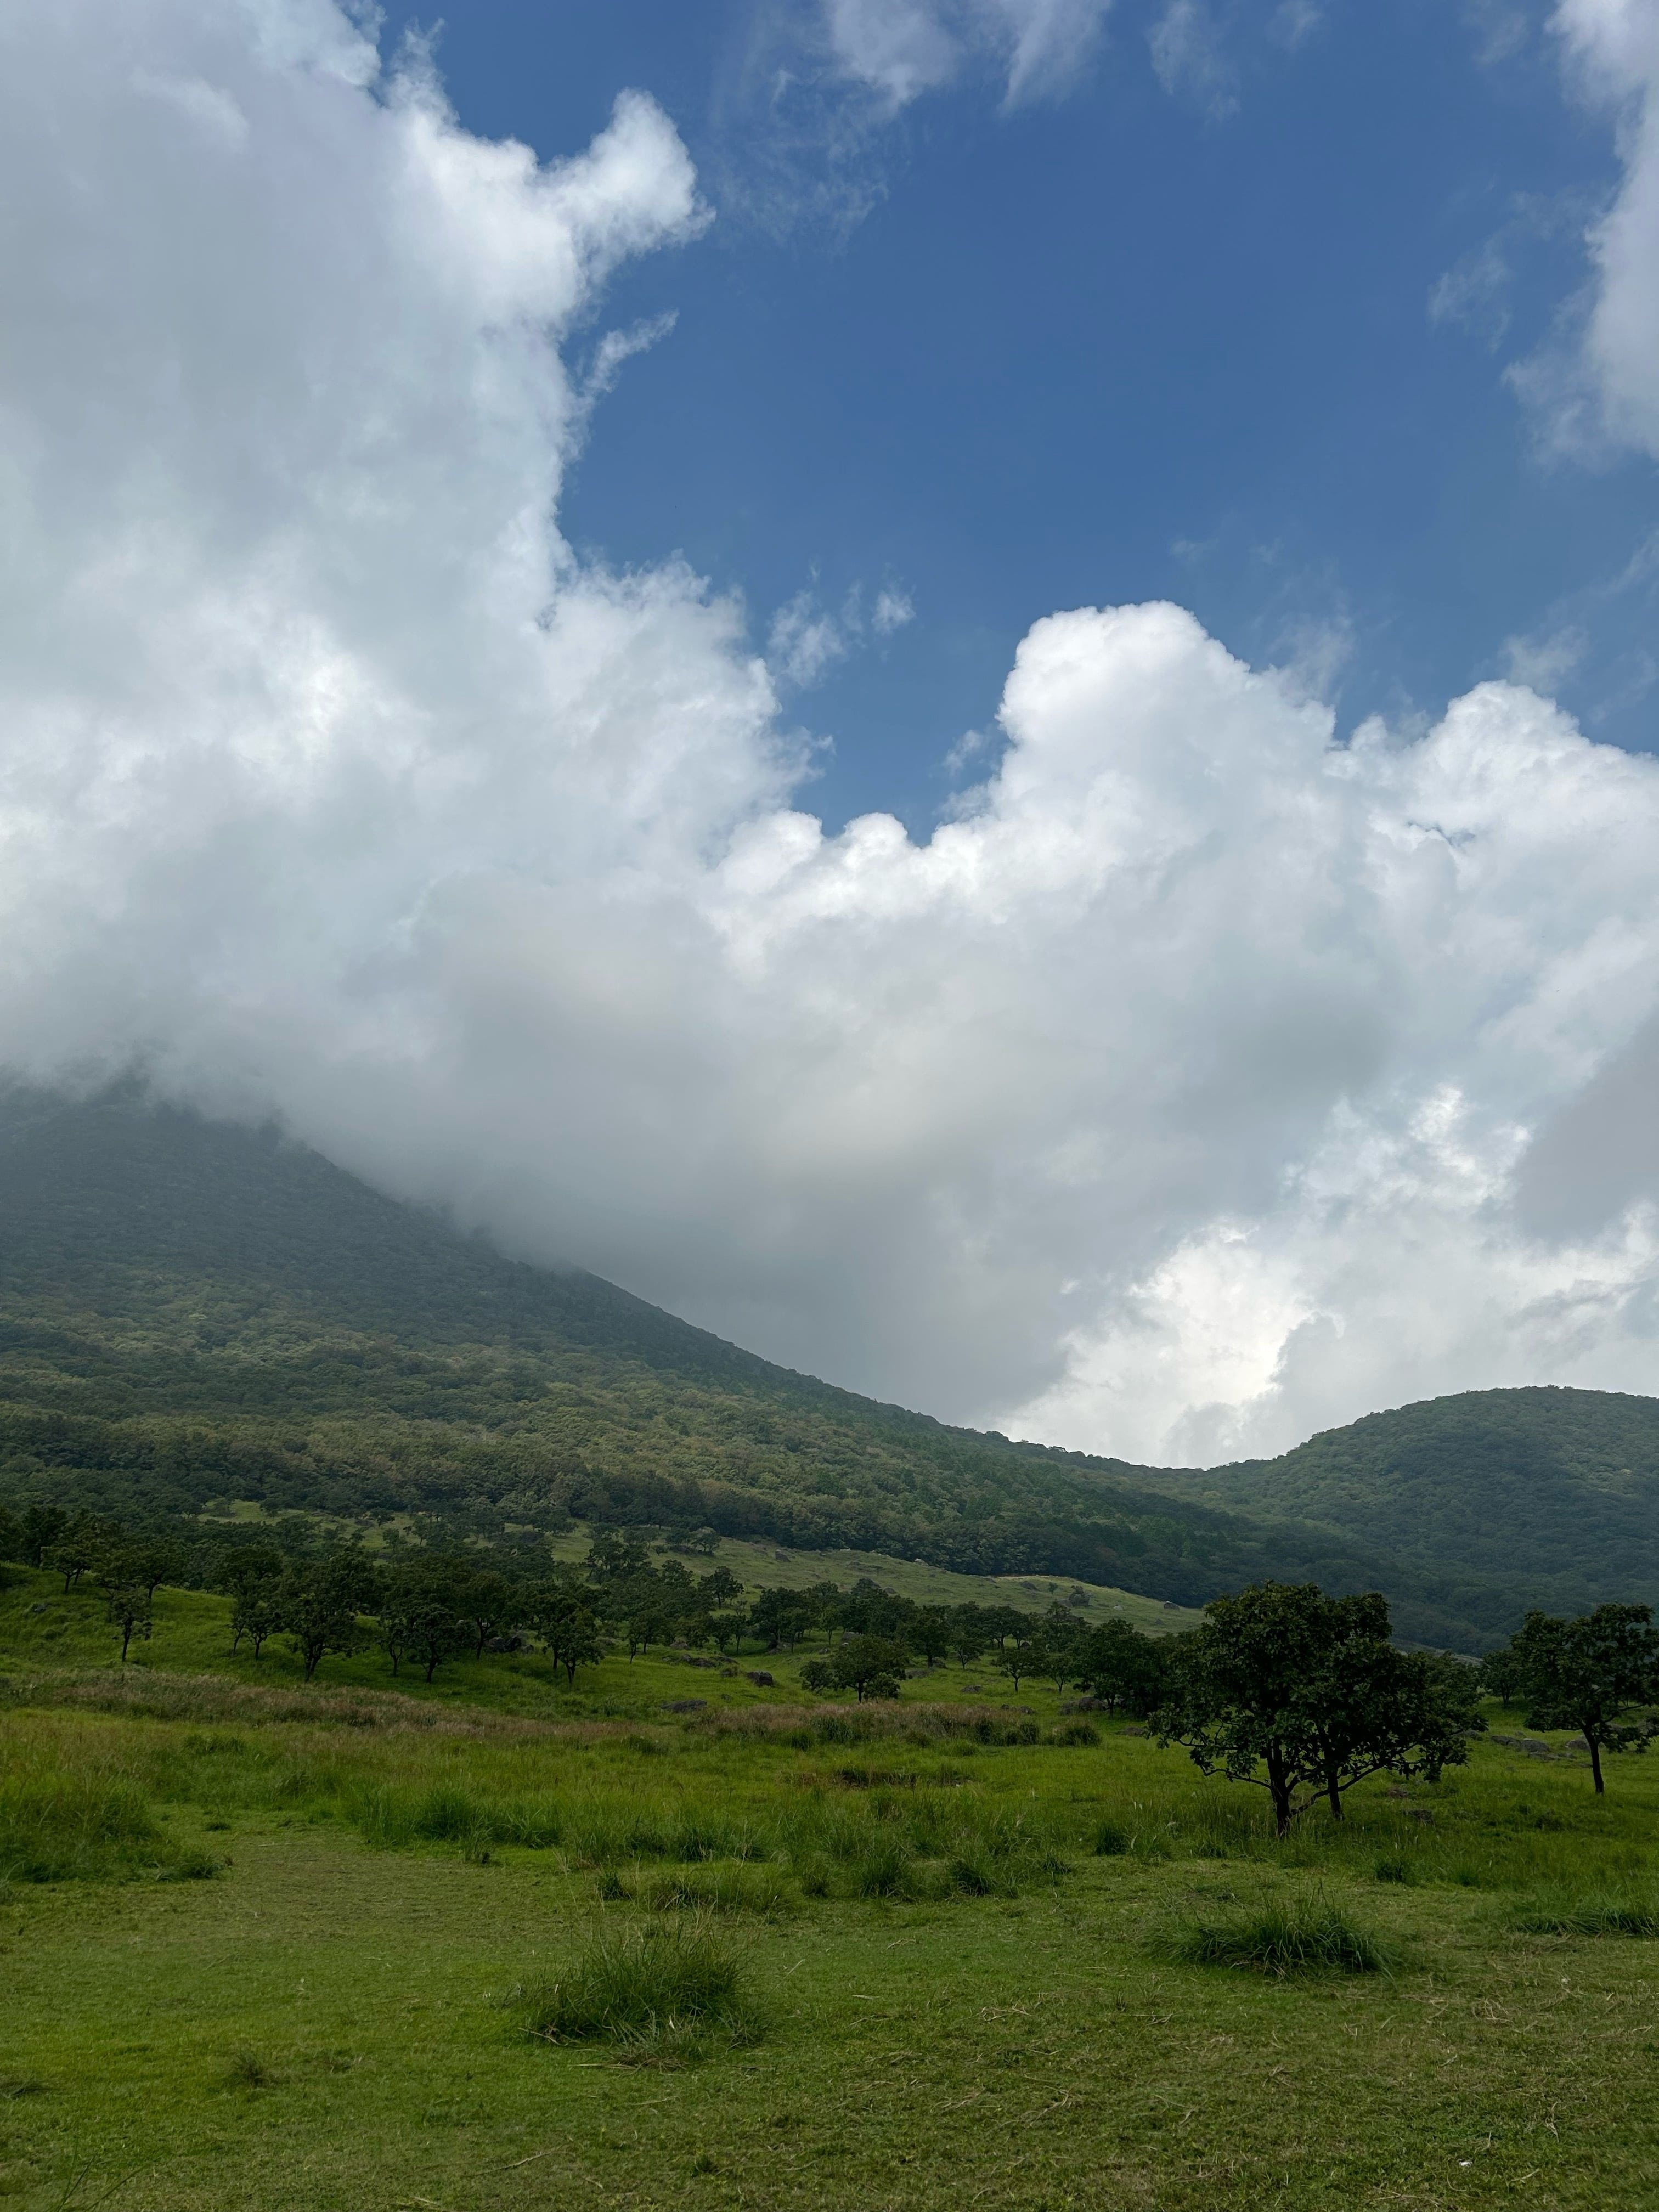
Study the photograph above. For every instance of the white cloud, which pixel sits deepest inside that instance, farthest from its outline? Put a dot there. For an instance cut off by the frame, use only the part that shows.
(893, 608)
(1174, 1097)
(803, 640)
(1189, 57)
(903, 48)
(1604, 382)
(1542, 662)
(1294, 22)
(1474, 293)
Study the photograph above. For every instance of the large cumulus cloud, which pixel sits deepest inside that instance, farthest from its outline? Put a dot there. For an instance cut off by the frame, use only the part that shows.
(1182, 1092)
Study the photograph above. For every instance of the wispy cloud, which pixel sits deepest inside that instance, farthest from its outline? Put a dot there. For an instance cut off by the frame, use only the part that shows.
(893, 609)
(1473, 294)
(1190, 59)
(903, 48)
(805, 639)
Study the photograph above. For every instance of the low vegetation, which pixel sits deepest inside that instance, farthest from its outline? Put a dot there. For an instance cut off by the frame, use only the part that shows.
(1305, 1937)
(465, 1824)
(505, 1940)
(662, 1988)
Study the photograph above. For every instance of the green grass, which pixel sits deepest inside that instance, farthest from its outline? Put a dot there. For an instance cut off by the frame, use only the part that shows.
(952, 1944)
(1592, 1916)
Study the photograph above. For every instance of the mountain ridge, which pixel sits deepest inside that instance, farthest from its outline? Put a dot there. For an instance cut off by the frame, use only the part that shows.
(191, 1308)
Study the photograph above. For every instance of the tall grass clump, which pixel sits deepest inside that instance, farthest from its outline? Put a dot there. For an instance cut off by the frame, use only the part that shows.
(1283, 1940)
(661, 1986)
(393, 1818)
(720, 1889)
(69, 1827)
(1591, 1916)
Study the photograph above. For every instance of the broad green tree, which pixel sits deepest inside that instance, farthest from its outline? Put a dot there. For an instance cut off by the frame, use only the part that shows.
(1592, 1673)
(870, 1666)
(1293, 1691)
(929, 1632)
(128, 1607)
(565, 1620)
(256, 1612)
(1125, 1670)
(319, 1601)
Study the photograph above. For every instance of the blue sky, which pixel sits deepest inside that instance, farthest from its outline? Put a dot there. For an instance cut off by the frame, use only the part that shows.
(1242, 343)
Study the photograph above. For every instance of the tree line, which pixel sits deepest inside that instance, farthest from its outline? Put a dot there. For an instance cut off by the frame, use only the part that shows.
(1304, 1695)
(1281, 1685)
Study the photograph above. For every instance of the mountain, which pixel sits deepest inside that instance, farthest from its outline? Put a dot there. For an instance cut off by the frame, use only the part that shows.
(1551, 1493)
(193, 1311)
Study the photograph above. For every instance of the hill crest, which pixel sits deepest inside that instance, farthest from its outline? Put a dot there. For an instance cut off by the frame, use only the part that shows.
(191, 1308)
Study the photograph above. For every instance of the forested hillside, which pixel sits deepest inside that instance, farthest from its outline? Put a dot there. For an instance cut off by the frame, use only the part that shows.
(193, 1311)
(1547, 1490)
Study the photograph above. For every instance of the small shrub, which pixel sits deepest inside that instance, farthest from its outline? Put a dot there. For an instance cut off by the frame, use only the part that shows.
(1301, 1939)
(1076, 1733)
(645, 1984)
(1110, 1841)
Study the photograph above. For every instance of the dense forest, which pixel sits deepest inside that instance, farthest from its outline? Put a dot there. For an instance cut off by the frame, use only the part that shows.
(192, 1312)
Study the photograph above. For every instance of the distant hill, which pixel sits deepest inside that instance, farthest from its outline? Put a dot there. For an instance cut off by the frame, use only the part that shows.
(193, 1311)
(1552, 1493)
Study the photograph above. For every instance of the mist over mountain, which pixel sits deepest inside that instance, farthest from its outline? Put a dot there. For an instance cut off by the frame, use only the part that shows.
(192, 1311)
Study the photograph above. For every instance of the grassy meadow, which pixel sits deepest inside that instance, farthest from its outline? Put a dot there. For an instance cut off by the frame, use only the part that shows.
(273, 1947)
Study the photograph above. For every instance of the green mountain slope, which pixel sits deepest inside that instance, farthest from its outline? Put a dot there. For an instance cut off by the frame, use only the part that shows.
(1552, 1492)
(192, 1311)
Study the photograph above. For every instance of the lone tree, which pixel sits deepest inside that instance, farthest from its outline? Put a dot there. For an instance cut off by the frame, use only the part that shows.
(319, 1601)
(1374, 1708)
(81, 1549)
(929, 1632)
(1587, 1673)
(968, 1637)
(487, 1600)
(251, 1575)
(869, 1666)
(421, 1614)
(256, 1612)
(1309, 1689)
(1125, 1668)
(563, 1618)
(127, 1608)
